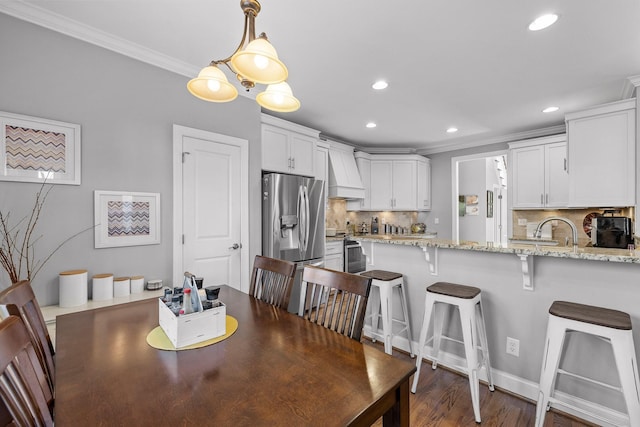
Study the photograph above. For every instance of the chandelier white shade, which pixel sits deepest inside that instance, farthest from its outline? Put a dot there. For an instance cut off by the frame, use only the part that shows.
(259, 62)
(212, 85)
(278, 97)
(254, 61)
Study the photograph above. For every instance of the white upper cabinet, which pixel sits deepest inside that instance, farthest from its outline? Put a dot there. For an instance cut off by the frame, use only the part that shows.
(539, 173)
(363, 162)
(394, 183)
(601, 146)
(288, 147)
(424, 185)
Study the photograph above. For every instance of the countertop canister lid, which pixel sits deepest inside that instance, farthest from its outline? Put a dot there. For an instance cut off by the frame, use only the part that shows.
(72, 272)
(102, 276)
(120, 279)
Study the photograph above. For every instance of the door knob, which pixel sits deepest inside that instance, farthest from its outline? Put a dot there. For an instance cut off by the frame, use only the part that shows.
(236, 246)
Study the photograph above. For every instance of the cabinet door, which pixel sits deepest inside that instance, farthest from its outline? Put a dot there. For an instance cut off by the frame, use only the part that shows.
(424, 186)
(556, 176)
(404, 185)
(381, 182)
(602, 160)
(302, 149)
(528, 177)
(275, 149)
(334, 262)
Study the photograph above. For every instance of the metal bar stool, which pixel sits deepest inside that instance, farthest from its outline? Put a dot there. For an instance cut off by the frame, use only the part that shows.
(381, 306)
(467, 300)
(611, 325)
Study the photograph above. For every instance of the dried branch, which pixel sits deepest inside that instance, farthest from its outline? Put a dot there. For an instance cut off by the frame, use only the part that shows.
(17, 244)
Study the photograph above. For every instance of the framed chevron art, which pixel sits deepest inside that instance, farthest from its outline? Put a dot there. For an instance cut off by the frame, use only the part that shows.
(126, 218)
(34, 150)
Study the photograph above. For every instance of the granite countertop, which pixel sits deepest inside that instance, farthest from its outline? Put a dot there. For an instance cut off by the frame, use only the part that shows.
(588, 253)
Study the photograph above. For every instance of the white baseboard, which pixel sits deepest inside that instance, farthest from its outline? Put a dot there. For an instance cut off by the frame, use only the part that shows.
(521, 387)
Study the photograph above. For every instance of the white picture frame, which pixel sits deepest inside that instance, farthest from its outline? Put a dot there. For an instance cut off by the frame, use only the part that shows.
(126, 218)
(37, 150)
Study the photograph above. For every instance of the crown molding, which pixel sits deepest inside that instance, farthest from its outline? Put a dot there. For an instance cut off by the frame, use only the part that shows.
(448, 146)
(47, 19)
(630, 85)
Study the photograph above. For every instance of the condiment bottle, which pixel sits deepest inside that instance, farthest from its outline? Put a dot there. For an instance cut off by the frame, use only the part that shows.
(187, 305)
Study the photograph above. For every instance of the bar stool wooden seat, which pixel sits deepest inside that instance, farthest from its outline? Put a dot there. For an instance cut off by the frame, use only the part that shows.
(611, 325)
(381, 306)
(467, 299)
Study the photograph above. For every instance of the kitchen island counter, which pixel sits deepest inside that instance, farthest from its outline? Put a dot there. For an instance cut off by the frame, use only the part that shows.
(519, 283)
(586, 253)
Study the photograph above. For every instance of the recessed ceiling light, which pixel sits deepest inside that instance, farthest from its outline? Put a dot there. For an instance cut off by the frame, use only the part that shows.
(542, 22)
(380, 84)
(452, 130)
(550, 109)
(371, 125)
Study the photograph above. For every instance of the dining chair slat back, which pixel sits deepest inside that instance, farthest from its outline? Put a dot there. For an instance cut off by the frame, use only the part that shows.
(21, 377)
(335, 300)
(272, 280)
(21, 301)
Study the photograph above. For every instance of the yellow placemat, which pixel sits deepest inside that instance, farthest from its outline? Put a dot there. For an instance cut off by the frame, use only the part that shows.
(158, 339)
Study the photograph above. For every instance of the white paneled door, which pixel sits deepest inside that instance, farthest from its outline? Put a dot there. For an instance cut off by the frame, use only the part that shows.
(210, 207)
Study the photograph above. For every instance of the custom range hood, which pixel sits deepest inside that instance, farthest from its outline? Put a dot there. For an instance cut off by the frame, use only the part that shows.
(344, 178)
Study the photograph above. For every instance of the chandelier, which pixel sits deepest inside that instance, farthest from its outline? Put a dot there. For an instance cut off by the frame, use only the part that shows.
(255, 62)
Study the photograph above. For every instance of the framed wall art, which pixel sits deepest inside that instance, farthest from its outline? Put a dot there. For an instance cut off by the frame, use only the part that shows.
(126, 218)
(35, 150)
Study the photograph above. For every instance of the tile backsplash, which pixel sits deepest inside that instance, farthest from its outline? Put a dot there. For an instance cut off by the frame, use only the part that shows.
(337, 216)
(561, 231)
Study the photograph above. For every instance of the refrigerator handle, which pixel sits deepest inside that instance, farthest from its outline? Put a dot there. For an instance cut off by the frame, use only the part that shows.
(306, 217)
(301, 221)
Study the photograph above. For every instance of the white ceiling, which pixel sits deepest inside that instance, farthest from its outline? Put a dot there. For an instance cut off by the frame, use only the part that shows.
(464, 63)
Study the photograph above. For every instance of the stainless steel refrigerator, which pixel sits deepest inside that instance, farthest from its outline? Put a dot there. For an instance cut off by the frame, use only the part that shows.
(293, 223)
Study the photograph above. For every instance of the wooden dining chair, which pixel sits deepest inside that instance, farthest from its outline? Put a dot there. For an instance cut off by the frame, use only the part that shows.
(272, 280)
(21, 301)
(22, 377)
(335, 300)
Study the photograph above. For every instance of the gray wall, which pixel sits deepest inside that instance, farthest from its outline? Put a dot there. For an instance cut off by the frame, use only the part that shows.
(126, 109)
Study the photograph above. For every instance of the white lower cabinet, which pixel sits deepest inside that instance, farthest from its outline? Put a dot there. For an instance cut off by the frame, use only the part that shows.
(334, 255)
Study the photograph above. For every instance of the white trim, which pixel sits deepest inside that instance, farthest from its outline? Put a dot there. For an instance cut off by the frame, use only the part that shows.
(284, 124)
(178, 133)
(47, 19)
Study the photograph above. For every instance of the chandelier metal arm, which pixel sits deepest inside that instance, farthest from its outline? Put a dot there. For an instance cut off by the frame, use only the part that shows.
(251, 9)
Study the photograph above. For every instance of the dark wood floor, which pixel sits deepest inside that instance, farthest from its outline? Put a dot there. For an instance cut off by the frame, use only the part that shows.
(443, 400)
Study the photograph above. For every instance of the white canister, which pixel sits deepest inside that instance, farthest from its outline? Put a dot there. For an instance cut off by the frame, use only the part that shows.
(102, 287)
(121, 287)
(137, 284)
(73, 288)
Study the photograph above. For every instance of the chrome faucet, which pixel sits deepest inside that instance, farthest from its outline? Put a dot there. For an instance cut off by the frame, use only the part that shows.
(574, 230)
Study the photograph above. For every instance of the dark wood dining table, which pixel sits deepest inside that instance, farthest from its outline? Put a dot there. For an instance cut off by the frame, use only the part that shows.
(277, 369)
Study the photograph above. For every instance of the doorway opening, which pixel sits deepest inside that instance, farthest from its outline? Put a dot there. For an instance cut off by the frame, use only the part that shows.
(479, 198)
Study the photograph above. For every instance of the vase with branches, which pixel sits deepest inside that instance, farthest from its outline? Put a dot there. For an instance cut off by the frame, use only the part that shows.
(18, 241)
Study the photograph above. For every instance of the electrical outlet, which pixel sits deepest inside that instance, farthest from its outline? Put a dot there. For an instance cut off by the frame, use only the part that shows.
(522, 221)
(436, 221)
(513, 347)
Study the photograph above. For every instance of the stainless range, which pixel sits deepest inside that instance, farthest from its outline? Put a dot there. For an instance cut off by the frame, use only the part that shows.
(355, 260)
